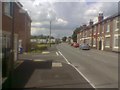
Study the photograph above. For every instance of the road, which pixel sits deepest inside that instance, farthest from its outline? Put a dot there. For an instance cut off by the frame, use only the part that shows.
(99, 67)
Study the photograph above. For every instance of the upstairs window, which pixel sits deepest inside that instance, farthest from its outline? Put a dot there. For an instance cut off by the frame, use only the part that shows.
(118, 23)
(108, 27)
(98, 28)
(95, 30)
(8, 8)
(102, 27)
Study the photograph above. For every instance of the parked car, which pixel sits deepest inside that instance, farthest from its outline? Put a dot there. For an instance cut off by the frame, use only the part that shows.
(71, 44)
(84, 47)
(75, 45)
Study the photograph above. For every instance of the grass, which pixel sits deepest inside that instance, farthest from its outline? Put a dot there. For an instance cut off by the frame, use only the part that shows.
(38, 48)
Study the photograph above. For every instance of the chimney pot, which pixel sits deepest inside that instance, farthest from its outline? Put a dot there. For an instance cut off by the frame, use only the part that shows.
(100, 17)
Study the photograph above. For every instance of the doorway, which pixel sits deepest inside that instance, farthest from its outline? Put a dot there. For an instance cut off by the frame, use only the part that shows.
(100, 45)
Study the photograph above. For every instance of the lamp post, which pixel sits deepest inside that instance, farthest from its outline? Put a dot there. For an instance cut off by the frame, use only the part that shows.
(51, 18)
(50, 34)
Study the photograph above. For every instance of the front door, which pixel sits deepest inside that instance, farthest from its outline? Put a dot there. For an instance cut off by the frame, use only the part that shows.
(100, 45)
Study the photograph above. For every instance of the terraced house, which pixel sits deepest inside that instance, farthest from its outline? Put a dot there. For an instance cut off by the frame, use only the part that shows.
(17, 22)
(103, 35)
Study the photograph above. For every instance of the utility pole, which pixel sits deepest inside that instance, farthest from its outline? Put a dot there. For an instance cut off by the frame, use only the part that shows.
(50, 34)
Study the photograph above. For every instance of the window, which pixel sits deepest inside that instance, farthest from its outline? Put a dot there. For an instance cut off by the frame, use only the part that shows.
(116, 41)
(8, 8)
(102, 27)
(118, 23)
(99, 29)
(90, 32)
(108, 27)
(95, 30)
(94, 42)
(107, 42)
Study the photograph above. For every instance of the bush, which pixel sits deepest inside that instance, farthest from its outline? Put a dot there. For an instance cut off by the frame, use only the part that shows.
(41, 47)
(38, 47)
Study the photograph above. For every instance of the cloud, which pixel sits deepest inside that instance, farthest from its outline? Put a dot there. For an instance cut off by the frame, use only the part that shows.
(65, 16)
(61, 21)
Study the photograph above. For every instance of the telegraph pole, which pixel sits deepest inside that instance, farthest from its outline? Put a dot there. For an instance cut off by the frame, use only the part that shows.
(50, 34)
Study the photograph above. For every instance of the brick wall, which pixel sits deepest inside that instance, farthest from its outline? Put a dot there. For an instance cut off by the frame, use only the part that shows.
(22, 25)
(6, 21)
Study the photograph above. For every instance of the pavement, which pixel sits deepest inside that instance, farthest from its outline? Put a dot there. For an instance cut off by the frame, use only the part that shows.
(47, 70)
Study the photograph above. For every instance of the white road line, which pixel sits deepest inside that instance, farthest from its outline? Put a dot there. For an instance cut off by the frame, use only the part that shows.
(57, 54)
(76, 69)
(64, 57)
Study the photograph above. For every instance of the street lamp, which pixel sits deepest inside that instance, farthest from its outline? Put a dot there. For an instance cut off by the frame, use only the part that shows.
(50, 34)
(49, 17)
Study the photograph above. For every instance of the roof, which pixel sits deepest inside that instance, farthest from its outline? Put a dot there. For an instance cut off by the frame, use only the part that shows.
(108, 18)
(19, 4)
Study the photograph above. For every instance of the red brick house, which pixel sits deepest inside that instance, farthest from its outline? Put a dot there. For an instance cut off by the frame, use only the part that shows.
(21, 23)
(107, 28)
(23, 26)
(104, 34)
(85, 34)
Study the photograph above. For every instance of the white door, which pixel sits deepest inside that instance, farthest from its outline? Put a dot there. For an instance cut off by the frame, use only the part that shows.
(102, 44)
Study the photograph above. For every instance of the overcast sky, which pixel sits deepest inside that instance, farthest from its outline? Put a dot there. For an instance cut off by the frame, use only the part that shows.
(65, 16)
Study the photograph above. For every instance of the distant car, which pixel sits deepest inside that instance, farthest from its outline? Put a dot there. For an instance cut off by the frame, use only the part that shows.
(75, 45)
(84, 47)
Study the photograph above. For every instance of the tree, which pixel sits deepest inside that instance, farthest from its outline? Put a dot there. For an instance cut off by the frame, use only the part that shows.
(64, 39)
(75, 32)
(41, 37)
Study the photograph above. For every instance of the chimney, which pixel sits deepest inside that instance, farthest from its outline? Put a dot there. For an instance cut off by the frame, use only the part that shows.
(100, 17)
(84, 26)
(91, 22)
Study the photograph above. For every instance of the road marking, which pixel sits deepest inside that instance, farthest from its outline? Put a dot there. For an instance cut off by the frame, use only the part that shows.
(83, 76)
(38, 60)
(77, 70)
(64, 57)
(45, 52)
(57, 54)
(54, 64)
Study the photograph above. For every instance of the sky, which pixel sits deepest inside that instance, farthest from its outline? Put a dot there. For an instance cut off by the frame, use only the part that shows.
(64, 15)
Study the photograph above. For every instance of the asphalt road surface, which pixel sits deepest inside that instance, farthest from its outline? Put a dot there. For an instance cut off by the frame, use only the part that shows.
(99, 67)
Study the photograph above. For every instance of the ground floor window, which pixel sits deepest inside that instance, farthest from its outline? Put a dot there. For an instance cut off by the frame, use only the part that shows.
(116, 41)
(94, 42)
(107, 42)
(5, 54)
